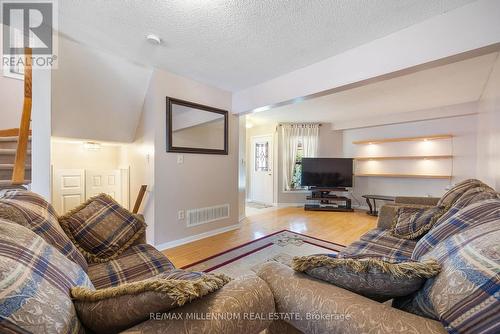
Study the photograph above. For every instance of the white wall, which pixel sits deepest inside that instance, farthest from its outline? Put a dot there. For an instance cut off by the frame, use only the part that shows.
(488, 145)
(41, 116)
(140, 155)
(11, 97)
(242, 172)
(74, 155)
(201, 181)
(96, 95)
(463, 129)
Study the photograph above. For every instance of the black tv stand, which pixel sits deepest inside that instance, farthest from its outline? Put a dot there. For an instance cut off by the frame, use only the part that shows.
(324, 199)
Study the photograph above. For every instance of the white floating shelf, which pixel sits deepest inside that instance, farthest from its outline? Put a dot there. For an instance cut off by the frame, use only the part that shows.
(408, 157)
(419, 176)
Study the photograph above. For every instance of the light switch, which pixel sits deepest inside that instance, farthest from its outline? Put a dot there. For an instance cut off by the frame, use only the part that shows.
(180, 159)
(181, 215)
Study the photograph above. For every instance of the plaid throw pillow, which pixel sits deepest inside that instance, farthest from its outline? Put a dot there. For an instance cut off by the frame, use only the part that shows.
(101, 228)
(412, 223)
(372, 276)
(35, 213)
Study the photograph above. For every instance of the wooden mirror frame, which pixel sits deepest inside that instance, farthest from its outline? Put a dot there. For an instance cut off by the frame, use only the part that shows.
(175, 149)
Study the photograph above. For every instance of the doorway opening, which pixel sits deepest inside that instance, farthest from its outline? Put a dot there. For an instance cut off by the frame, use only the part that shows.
(81, 170)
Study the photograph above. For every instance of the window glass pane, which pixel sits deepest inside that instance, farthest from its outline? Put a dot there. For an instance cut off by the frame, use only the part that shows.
(262, 157)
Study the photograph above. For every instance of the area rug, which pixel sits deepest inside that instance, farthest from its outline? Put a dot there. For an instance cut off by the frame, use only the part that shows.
(280, 246)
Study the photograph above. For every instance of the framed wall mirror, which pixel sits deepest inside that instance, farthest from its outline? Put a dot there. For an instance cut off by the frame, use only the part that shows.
(195, 128)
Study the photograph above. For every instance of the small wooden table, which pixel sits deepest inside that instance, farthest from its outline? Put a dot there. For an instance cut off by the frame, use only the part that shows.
(373, 209)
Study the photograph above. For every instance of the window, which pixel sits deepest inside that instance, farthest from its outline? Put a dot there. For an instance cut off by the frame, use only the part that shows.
(262, 157)
(297, 171)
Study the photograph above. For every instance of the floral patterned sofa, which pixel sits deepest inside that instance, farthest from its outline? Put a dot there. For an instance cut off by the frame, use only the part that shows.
(39, 265)
(463, 298)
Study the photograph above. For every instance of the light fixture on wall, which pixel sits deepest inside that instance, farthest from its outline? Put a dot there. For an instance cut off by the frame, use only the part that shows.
(92, 146)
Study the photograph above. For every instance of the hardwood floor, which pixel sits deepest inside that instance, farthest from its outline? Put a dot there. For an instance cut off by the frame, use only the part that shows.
(338, 227)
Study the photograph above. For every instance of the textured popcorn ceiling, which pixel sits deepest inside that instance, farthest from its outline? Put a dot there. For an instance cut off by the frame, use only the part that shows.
(234, 44)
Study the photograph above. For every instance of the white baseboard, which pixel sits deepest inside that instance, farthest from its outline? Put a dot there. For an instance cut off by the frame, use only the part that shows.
(175, 243)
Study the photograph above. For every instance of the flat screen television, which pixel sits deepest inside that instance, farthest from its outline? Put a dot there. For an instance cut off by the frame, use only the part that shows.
(327, 172)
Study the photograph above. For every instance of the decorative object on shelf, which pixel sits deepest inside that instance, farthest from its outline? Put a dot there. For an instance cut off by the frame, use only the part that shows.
(373, 209)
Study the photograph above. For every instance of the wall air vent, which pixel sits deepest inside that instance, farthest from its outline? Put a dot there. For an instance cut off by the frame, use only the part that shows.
(207, 215)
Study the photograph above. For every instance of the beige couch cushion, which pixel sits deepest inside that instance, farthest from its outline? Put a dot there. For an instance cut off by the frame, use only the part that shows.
(114, 309)
(241, 306)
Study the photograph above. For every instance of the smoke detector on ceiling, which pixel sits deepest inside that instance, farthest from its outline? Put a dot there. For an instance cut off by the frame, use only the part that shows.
(153, 39)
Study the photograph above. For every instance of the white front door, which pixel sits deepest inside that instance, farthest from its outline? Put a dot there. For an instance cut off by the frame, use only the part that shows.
(99, 181)
(261, 174)
(68, 190)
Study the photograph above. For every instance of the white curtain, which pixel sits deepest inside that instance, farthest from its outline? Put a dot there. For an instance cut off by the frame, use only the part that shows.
(310, 139)
(291, 135)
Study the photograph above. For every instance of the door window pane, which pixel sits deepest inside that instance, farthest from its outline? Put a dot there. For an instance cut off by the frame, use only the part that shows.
(262, 157)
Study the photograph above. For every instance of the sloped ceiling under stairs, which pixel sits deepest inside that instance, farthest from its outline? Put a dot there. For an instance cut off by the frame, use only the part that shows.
(96, 95)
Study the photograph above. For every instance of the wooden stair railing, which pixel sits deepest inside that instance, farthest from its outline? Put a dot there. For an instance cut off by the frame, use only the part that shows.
(139, 199)
(9, 132)
(18, 174)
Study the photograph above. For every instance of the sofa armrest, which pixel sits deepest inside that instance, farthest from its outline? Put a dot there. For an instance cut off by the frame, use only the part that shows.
(239, 302)
(325, 308)
(430, 201)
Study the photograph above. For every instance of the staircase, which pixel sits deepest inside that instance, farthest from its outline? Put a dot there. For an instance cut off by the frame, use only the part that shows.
(8, 147)
(15, 144)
